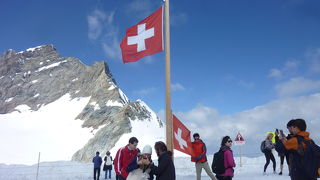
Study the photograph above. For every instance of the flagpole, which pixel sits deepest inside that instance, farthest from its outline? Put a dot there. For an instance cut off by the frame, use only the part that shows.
(169, 131)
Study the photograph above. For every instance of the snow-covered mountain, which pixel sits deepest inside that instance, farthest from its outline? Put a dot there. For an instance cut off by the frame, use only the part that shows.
(65, 109)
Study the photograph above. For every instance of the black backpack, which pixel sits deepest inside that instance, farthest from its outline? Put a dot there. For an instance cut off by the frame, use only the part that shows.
(263, 146)
(310, 157)
(218, 163)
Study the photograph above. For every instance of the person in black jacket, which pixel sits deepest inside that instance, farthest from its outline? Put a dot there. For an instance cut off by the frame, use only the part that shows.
(286, 154)
(165, 169)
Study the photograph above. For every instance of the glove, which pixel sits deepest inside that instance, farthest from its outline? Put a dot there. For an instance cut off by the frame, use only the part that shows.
(197, 158)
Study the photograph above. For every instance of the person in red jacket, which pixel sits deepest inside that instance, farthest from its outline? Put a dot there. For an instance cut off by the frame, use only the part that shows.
(200, 158)
(124, 157)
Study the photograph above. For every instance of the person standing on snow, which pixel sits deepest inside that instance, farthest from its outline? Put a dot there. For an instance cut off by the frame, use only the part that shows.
(165, 169)
(124, 156)
(137, 169)
(286, 154)
(107, 165)
(229, 163)
(268, 153)
(295, 147)
(200, 158)
(97, 161)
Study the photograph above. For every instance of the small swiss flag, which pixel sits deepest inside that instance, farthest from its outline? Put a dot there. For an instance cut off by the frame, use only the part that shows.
(144, 38)
(181, 137)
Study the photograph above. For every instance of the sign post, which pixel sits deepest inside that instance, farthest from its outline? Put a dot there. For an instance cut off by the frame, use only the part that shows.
(239, 141)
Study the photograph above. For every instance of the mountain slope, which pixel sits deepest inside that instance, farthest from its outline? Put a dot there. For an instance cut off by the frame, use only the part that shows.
(38, 78)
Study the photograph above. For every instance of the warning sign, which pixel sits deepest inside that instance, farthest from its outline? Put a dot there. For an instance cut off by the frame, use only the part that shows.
(239, 140)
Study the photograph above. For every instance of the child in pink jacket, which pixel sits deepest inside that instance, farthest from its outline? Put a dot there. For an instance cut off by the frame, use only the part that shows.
(229, 163)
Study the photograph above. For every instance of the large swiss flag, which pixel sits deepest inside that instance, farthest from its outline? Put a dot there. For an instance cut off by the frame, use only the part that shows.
(181, 137)
(144, 38)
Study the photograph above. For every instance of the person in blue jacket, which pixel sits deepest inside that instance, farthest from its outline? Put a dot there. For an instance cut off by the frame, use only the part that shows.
(97, 161)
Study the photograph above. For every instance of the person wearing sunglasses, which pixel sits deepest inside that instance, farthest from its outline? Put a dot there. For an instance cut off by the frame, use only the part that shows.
(229, 163)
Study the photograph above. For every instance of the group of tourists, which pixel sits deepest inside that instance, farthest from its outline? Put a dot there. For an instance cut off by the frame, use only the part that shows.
(131, 164)
(107, 166)
(297, 148)
(300, 151)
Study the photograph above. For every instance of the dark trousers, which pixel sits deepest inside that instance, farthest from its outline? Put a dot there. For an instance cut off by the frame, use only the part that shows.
(223, 177)
(282, 159)
(96, 171)
(106, 175)
(120, 178)
(297, 178)
(269, 156)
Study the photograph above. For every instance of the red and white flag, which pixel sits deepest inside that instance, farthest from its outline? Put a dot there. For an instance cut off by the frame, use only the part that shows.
(181, 137)
(143, 39)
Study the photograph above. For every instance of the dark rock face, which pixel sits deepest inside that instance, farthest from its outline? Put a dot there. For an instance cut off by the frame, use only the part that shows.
(39, 76)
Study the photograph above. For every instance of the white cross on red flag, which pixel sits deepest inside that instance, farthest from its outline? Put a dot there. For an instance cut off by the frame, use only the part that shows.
(181, 137)
(144, 38)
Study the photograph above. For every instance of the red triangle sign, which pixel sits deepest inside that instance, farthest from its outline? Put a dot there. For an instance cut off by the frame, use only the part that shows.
(239, 138)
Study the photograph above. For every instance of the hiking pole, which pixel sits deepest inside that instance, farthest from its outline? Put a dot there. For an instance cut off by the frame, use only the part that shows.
(38, 166)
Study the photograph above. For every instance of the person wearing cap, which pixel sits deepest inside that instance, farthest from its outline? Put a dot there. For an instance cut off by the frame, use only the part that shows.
(138, 170)
(200, 157)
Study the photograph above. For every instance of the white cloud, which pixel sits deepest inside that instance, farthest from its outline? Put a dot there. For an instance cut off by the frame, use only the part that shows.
(102, 29)
(146, 91)
(246, 84)
(252, 123)
(178, 18)
(297, 86)
(291, 64)
(141, 8)
(314, 56)
(95, 23)
(112, 49)
(240, 82)
(288, 69)
(275, 73)
(177, 87)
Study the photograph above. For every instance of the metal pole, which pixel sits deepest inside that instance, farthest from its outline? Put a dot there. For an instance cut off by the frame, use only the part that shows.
(240, 156)
(169, 129)
(38, 167)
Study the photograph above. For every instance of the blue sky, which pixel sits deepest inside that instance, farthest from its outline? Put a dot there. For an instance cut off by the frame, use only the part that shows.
(230, 60)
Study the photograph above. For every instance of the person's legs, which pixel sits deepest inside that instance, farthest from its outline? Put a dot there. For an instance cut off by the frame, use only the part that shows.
(281, 164)
(273, 162)
(106, 175)
(288, 162)
(109, 173)
(98, 169)
(198, 170)
(121, 178)
(94, 173)
(267, 161)
(208, 170)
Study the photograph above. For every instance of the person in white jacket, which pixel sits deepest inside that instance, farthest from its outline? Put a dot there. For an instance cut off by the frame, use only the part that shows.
(107, 167)
(137, 168)
(268, 154)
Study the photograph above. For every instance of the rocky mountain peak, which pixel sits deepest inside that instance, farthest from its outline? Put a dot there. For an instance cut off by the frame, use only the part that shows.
(39, 76)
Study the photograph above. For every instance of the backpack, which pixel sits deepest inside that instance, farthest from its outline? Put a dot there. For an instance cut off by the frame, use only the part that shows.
(310, 157)
(218, 163)
(263, 146)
